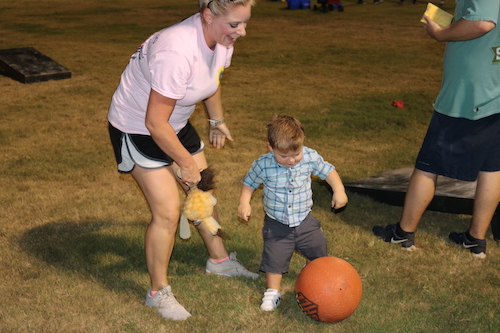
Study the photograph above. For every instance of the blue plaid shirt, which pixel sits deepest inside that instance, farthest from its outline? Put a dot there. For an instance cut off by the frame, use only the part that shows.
(287, 190)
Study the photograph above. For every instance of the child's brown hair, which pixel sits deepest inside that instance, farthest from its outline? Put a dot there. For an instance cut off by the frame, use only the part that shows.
(285, 134)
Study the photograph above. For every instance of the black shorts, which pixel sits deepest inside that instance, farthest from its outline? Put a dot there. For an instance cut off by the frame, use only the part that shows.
(460, 148)
(280, 241)
(142, 150)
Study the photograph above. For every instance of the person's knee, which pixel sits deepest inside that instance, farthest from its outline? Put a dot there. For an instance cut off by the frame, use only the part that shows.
(166, 219)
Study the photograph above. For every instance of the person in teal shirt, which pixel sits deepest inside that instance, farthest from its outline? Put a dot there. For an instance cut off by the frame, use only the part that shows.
(463, 139)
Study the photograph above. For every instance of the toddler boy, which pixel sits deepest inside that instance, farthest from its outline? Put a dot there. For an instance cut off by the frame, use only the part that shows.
(289, 226)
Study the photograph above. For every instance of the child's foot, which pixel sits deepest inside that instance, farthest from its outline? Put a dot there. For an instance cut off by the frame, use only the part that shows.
(271, 300)
(229, 267)
(165, 303)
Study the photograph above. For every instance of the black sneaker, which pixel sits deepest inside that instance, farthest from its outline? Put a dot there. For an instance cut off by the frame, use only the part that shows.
(495, 226)
(477, 246)
(388, 234)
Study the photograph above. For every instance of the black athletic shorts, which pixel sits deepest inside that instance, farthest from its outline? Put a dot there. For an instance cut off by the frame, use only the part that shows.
(460, 148)
(142, 150)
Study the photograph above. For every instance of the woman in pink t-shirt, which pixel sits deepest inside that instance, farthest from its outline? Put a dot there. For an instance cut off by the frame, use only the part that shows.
(166, 77)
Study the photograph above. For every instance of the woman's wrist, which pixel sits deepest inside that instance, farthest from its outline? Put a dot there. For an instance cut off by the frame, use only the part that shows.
(216, 122)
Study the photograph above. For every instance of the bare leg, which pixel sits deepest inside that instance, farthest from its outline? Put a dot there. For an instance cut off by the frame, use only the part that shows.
(273, 280)
(214, 244)
(160, 189)
(485, 203)
(420, 193)
(272, 295)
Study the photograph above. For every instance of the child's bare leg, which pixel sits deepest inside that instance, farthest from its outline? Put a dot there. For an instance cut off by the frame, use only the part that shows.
(272, 296)
(273, 280)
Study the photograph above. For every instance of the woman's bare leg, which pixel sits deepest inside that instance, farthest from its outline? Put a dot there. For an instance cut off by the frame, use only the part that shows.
(161, 192)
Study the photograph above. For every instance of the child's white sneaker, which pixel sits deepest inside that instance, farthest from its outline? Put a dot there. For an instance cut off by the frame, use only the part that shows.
(165, 303)
(271, 300)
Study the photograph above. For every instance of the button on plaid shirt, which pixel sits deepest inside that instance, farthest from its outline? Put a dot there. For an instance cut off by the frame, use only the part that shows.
(287, 190)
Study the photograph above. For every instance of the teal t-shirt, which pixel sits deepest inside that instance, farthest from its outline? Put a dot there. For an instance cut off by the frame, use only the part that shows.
(471, 69)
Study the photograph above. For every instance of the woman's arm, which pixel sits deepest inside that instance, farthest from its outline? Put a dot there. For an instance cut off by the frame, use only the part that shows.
(157, 115)
(219, 133)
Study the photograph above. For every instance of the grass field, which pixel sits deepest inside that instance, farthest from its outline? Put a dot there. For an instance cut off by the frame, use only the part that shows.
(71, 227)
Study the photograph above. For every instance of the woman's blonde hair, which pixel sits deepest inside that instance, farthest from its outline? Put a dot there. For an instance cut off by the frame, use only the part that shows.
(220, 7)
(285, 134)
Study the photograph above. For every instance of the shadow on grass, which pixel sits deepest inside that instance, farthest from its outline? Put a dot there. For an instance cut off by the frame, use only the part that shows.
(108, 252)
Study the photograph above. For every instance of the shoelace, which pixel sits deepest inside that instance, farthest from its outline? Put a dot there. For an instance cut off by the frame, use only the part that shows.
(167, 298)
(232, 258)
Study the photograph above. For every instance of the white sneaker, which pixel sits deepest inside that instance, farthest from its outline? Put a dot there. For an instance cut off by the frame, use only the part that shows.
(165, 303)
(271, 300)
(230, 267)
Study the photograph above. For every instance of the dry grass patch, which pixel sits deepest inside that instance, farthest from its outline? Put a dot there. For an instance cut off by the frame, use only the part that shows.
(71, 227)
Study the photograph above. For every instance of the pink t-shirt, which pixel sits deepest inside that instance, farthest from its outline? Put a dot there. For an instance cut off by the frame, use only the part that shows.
(177, 63)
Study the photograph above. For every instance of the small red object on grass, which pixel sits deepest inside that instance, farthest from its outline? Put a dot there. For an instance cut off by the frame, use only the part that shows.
(398, 104)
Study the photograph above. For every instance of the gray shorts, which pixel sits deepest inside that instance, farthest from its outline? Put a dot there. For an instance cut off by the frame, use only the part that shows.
(280, 241)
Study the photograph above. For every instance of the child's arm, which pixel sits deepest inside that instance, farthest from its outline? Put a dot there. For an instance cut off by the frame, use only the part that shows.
(339, 198)
(244, 208)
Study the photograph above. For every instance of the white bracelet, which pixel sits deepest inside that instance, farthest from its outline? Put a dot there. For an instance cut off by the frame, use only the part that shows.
(215, 122)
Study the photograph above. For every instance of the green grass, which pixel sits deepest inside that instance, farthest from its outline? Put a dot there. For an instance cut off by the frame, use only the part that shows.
(71, 227)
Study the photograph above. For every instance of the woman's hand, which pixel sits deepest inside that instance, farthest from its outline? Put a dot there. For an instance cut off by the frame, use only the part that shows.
(218, 135)
(189, 175)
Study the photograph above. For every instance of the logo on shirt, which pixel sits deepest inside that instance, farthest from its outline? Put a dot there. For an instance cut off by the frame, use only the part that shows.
(496, 51)
(139, 53)
(219, 74)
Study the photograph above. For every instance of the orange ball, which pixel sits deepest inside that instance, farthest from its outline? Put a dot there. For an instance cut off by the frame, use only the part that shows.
(328, 289)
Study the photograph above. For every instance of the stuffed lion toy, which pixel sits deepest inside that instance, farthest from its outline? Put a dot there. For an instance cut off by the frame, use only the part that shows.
(199, 206)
